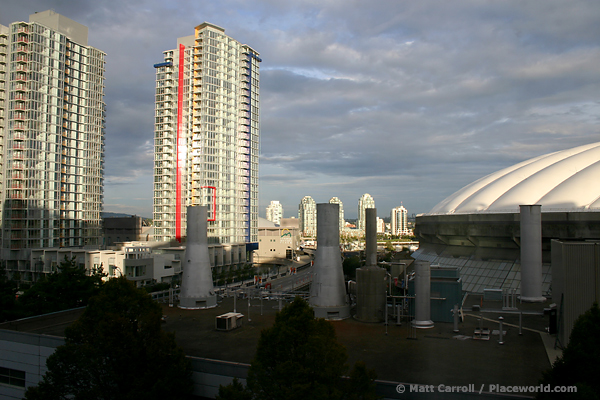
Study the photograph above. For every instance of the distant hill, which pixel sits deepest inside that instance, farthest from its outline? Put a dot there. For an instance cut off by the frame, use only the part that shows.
(106, 214)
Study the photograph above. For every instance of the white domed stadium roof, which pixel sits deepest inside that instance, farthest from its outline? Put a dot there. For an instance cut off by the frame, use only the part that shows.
(567, 180)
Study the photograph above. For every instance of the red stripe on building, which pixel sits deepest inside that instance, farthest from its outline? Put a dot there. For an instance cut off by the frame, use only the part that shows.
(180, 146)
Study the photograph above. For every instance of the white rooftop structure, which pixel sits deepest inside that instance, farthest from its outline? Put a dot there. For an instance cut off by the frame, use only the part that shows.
(561, 181)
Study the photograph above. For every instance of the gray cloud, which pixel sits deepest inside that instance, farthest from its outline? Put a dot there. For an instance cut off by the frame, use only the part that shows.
(408, 101)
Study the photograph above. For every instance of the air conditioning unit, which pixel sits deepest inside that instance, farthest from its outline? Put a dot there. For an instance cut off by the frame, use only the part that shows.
(229, 321)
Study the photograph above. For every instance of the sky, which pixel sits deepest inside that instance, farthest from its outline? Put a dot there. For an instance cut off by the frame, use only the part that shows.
(408, 101)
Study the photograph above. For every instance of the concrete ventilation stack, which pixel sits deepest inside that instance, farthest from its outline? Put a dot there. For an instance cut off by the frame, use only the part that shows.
(531, 253)
(196, 281)
(370, 279)
(328, 295)
(422, 295)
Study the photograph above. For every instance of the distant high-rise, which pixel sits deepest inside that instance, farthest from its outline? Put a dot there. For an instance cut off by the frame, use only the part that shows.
(335, 200)
(275, 212)
(206, 136)
(365, 201)
(52, 117)
(307, 214)
(399, 221)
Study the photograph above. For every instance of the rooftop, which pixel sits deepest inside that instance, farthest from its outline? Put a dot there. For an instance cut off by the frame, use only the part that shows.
(397, 353)
(436, 356)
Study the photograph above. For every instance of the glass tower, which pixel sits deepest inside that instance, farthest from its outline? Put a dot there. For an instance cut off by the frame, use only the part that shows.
(52, 134)
(206, 136)
(275, 212)
(399, 221)
(365, 201)
(307, 214)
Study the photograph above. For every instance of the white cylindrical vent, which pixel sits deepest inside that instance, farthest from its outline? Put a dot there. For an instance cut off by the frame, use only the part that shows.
(422, 295)
(531, 253)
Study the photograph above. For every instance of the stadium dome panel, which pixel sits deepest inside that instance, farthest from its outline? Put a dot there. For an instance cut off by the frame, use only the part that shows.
(479, 225)
(558, 181)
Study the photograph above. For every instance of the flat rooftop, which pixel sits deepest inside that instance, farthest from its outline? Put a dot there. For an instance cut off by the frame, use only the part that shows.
(436, 356)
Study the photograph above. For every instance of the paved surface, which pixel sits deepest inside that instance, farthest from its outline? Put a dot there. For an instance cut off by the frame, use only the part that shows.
(436, 356)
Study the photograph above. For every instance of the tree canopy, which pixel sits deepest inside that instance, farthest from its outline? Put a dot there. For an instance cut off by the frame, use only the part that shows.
(300, 358)
(69, 287)
(116, 350)
(579, 364)
(8, 292)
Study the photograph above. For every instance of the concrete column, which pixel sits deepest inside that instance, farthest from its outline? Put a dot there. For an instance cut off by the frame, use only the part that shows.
(196, 280)
(328, 295)
(531, 253)
(422, 295)
(370, 279)
(371, 236)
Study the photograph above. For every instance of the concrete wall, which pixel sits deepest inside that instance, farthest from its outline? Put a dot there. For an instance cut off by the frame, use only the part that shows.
(575, 285)
(25, 352)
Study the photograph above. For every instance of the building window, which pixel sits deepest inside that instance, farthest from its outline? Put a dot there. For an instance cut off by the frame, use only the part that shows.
(12, 377)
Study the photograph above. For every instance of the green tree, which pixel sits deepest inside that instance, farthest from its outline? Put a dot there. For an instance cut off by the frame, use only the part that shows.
(300, 358)
(349, 265)
(116, 350)
(579, 364)
(361, 383)
(234, 391)
(69, 287)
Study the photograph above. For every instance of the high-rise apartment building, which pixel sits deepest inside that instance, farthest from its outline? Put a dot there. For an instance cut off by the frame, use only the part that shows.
(307, 214)
(335, 200)
(275, 212)
(399, 221)
(365, 201)
(52, 119)
(206, 136)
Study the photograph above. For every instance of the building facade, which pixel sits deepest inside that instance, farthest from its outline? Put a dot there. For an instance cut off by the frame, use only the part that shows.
(206, 136)
(399, 221)
(275, 212)
(307, 214)
(52, 135)
(276, 243)
(365, 201)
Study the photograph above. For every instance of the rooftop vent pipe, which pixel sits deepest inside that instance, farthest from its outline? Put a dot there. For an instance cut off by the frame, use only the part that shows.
(328, 295)
(196, 281)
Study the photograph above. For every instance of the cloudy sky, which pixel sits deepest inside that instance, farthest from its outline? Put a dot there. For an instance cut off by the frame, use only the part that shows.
(406, 100)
